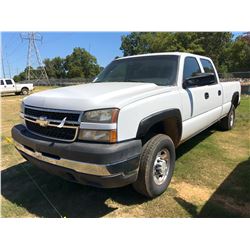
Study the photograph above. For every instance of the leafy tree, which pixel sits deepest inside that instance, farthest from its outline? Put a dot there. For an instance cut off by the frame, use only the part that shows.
(216, 46)
(213, 44)
(81, 64)
(240, 55)
(78, 64)
(55, 67)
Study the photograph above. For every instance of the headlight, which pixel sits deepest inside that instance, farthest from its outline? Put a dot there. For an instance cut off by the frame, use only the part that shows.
(98, 135)
(101, 116)
(99, 125)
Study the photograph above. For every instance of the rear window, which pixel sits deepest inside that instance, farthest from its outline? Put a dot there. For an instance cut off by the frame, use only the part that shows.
(2, 83)
(207, 66)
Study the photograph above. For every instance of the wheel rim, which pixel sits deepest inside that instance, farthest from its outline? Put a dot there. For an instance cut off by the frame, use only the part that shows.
(161, 166)
(232, 119)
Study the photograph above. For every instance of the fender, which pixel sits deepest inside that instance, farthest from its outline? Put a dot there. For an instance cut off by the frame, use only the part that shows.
(153, 119)
(234, 97)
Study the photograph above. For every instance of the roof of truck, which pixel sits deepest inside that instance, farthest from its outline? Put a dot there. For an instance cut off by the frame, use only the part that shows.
(163, 53)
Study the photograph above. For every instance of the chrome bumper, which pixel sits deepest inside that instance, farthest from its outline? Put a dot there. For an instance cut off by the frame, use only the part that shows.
(81, 167)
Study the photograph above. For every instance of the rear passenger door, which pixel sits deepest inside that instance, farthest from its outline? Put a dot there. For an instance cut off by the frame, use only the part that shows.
(197, 95)
(214, 90)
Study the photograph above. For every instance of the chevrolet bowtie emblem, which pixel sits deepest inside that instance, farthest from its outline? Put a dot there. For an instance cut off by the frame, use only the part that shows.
(62, 122)
(42, 121)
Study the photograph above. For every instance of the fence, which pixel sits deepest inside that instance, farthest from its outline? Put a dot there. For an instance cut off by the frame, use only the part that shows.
(59, 82)
(243, 77)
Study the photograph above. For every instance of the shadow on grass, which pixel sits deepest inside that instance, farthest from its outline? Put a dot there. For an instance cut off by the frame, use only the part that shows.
(191, 143)
(231, 199)
(70, 199)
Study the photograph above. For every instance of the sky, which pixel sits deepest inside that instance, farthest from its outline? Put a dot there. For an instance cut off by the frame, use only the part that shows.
(105, 46)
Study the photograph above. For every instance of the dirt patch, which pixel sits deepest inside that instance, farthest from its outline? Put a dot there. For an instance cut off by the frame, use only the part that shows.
(231, 151)
(192, 193)
(123, 211)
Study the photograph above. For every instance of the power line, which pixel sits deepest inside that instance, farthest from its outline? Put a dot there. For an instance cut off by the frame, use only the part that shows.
(2, 63)
(35, 69)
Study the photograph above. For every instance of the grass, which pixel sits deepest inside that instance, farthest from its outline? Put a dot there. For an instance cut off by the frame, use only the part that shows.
(211, 179)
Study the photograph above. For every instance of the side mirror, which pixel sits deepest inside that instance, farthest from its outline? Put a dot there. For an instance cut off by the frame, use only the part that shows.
(200, 79)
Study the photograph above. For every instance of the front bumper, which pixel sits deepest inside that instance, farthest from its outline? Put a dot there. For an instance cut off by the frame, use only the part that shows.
(95, 164)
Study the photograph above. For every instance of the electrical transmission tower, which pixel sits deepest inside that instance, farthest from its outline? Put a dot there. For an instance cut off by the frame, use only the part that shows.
(35, 69)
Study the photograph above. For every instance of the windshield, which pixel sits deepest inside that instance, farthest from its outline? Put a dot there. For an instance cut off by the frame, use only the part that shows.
(161, 70)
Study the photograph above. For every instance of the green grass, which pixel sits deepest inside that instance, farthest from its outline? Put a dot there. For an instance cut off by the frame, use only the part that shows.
(211, 179)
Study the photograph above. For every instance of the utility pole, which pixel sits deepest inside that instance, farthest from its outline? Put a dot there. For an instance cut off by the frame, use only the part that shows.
(35, 69)
(2, 62)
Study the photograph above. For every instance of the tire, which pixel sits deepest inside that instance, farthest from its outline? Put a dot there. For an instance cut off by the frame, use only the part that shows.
(25, 91)
(154, 175)
(227, 122)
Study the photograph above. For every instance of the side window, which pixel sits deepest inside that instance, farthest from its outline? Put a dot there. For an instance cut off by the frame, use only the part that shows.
(2, 83)
(207, 66)
(8, 82)
(191, 67)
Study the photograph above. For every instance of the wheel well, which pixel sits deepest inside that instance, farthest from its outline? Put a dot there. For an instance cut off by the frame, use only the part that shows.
(24, 88)
(235, 99)
(168, 122)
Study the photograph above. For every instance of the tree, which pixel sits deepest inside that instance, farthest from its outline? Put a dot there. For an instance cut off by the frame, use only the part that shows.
(151, 42)
(240, 55)
(216, 45)
(81, 64)
(78, 64)
(211, 44)
(55, 67)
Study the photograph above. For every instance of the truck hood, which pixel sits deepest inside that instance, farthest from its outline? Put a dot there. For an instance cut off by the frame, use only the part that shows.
(94, 95)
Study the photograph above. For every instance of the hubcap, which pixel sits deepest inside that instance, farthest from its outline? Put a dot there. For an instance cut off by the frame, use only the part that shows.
(161, 166)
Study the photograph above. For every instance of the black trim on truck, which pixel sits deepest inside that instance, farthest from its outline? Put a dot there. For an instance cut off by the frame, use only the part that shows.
(96, 164)
(235, 99)
(153, 119)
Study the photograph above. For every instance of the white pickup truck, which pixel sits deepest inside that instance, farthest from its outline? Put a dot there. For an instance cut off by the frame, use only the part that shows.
(124, 127)
(9, 86)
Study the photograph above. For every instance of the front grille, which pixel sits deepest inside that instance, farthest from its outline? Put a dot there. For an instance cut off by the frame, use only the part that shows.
(67, 134)
(69, 130)
(52, 115)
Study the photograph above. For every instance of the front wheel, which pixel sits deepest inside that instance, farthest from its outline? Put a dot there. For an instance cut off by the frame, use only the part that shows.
(156, 166)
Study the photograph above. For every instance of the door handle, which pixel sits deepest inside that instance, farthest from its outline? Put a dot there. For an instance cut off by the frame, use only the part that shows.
(206, 95)
(219, 92)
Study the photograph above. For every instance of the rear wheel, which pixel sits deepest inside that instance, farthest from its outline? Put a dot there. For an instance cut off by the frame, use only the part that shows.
(227, 122)
(156, 166)
(25, 91)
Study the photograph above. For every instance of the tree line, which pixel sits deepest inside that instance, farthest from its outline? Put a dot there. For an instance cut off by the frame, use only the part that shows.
(228, 54)
(79, 64)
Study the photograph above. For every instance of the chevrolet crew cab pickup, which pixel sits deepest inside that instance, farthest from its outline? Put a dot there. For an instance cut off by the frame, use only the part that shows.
(9, 86)
(125, 126)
